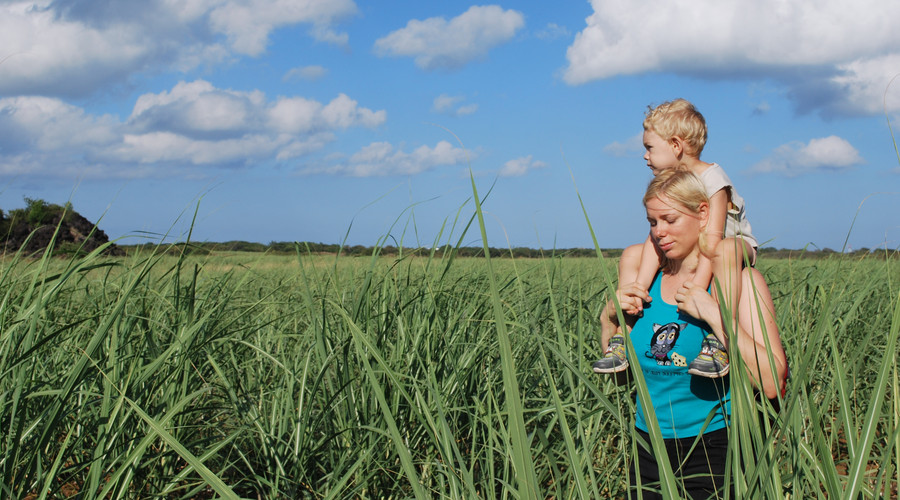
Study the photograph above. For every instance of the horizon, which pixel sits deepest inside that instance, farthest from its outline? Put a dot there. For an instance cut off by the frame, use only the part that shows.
(164, 239)
(324, 120)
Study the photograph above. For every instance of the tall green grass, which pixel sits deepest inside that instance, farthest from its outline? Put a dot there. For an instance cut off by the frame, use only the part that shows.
(417, 376)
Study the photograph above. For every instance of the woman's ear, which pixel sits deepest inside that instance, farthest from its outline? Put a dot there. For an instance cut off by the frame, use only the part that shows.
(703, 213)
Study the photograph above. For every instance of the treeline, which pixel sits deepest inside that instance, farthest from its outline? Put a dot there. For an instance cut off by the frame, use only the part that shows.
(306, 247)
(285, 248)
(787, 253)
(39, 224)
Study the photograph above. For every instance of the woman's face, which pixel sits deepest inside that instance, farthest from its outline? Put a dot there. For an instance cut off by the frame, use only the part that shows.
(674, 228)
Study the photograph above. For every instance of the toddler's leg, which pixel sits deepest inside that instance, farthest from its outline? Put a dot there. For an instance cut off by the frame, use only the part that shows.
(614, 359)
(612, 340)
(650, 263)
(638, 264)
(629, 263)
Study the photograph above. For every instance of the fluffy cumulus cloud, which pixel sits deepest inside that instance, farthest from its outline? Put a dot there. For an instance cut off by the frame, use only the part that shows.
(34, 130)
(247, 23)
(832, 57)
(45, 52)
(823, 154)
(192, 126)
(521, 166)
(197, 110)
(439, 43)
(382, 159)
(870, 84)
(66, 48)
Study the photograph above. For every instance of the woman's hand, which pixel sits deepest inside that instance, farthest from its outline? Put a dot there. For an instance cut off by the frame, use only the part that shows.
(631, 299)
(697, 303)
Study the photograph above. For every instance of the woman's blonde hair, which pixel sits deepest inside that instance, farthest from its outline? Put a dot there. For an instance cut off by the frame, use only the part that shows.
(679, 185)
(682, 187)
(678, 118)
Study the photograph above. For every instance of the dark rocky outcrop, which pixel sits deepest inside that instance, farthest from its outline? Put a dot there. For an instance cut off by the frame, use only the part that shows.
(32, 230)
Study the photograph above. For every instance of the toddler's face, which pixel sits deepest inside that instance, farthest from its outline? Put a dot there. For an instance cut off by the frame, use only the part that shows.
(660, 154)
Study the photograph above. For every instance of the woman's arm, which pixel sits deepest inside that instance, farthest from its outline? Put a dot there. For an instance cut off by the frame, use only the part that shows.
(756, 328)
(758, 335)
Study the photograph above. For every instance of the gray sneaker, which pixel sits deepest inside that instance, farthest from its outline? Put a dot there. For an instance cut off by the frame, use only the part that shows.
(613, 359)
(712, 362)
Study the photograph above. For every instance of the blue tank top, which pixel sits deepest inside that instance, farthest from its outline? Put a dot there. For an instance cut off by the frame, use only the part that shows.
(666, 342)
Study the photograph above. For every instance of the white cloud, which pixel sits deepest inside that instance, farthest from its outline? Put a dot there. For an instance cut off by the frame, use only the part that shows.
(553, 31)
(324, 33)
(197, 109)
(832, 57)
(381, 159)
(468, 109)
(193, 125)
(632, 146)
(864, 84)
(446, 102)
(74, 48)
(823, 154)
(247, 23)
(305, 73)
(51, 125)
(761, 108)
(438, 43)
(43, 51)
(451, 105)
(343, 112)
(520, 166)
(294, 115)
(168, 147)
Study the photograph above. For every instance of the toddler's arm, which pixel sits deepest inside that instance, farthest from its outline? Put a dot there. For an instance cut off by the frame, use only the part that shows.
(704, 274)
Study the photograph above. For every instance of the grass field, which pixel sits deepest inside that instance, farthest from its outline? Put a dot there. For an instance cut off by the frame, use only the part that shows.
(244, 375)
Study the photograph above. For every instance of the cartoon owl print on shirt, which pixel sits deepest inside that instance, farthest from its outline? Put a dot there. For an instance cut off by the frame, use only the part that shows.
(663, 341)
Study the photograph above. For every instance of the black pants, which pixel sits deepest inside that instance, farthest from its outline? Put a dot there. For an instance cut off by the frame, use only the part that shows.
(701, 474)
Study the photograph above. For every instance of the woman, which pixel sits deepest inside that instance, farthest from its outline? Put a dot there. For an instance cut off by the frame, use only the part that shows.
(671, 329)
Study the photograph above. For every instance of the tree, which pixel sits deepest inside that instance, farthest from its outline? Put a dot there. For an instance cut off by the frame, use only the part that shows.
(37, 211)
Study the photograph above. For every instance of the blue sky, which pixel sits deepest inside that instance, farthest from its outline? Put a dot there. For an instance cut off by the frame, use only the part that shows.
(312, 120)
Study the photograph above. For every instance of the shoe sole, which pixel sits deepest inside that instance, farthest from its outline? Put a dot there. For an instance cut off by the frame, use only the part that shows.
(700, 373)
(617, 369)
